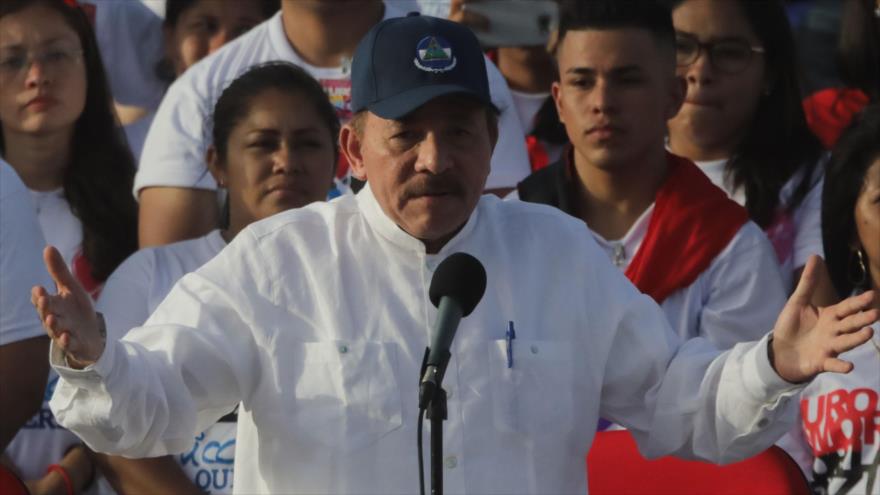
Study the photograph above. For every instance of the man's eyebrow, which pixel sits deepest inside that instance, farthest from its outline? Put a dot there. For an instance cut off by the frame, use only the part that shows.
(622, 69)
(581, 71)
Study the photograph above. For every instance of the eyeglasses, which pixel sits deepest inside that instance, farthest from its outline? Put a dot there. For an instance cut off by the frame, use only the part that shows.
(728, 56)
(58, 60)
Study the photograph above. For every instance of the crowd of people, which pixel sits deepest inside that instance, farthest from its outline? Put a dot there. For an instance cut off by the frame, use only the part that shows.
(244, 203)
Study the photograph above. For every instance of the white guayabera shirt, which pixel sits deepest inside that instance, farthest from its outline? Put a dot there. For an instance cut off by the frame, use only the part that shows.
(316, 320)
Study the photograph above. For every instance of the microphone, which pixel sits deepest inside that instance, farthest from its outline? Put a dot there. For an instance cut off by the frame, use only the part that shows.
(456, 288)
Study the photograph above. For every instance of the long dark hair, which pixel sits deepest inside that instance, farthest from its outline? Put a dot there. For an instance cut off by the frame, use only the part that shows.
(98, 179)
(778, 141)
(856, 150)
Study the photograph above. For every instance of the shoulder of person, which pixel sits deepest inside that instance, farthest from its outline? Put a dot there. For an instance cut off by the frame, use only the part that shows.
(10, 182)
(306, 222)
(540, 219)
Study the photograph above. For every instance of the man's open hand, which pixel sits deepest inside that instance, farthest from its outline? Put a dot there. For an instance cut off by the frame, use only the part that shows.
(68, 316)
(807, 340)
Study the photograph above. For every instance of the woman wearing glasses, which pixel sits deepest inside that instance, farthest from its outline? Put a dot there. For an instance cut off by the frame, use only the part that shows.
(743, 124)
(59, 133)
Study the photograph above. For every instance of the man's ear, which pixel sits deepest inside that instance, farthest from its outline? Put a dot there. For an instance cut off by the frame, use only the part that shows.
(350, 146)
(212, 159)
(555, 90)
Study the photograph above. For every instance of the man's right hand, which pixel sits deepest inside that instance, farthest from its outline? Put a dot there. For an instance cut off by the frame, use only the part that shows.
(68, 316)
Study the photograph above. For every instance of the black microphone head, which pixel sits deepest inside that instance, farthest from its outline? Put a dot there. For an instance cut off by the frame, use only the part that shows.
(461, 277)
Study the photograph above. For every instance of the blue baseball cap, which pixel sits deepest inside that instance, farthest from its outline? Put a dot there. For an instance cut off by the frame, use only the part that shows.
(405, 62)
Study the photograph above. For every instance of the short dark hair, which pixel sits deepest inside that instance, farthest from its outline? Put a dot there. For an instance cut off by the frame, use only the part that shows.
(651, 15)
(856, 150)
(235, 101)
(98, 178)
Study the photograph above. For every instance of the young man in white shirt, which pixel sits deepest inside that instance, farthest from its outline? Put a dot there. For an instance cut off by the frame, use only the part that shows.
(315, 320)
(677, 237)
(177, 195)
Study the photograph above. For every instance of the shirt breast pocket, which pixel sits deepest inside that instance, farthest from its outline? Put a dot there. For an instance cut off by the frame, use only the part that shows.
(534, 395)
(346, 396)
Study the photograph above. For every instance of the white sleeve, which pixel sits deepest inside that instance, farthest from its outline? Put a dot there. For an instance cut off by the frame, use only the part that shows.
(21, 263)
(746, 291)
(150, 393)
(808, 222)
(174, 150)
(684, 398)
(510, 160)
(125, 298)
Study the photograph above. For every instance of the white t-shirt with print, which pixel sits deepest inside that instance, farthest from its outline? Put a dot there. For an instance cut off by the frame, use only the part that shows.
(837, 440)
(130, 295)
(174, 150)
(796, 237)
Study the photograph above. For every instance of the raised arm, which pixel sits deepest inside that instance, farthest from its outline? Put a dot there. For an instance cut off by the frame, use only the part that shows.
(686, 399)
(152, 392)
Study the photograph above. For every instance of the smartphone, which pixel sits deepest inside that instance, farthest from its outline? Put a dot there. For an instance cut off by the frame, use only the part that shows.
(516, 22)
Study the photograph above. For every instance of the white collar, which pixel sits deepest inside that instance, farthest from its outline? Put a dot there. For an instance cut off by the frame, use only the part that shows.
(391, 232)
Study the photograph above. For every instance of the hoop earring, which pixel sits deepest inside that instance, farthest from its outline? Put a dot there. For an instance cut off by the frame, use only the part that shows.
(860, 270)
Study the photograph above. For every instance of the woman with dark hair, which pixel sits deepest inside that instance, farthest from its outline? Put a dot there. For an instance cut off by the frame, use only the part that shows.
(838, 442)
(192, 30)
(742, 120)
(830, 110)
(59, 133)
(274, 135)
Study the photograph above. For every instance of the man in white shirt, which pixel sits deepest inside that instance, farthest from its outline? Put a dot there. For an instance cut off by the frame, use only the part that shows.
(315, 320)
(177, 196)
(677, 237)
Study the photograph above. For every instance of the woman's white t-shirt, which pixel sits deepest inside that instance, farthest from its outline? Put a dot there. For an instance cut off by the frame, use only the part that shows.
(796, 235)
(130, 295)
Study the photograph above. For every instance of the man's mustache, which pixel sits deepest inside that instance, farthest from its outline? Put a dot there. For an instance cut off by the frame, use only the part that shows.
(437, 184)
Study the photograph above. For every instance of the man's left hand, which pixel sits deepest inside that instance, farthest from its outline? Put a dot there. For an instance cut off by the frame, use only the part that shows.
(808, 340)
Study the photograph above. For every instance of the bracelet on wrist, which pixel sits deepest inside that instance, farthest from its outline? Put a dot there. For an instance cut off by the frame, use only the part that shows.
(68, 483)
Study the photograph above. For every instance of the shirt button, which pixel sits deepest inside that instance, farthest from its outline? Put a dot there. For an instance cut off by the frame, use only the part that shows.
(451, 462)
(343, 349)
(763, 423)
(534, 349)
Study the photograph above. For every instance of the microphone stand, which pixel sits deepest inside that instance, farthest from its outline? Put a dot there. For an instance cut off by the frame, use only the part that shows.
(432, 398)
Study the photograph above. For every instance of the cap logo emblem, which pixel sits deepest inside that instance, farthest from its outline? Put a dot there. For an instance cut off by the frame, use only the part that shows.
(434, 54)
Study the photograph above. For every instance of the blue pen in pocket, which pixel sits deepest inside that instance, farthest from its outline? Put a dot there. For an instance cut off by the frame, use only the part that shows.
(509, 336)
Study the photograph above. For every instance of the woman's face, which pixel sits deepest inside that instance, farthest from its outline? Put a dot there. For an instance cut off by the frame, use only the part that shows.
(206, 26)
(280, 156)
(720, 103)
(42, 72)
(867, 217)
